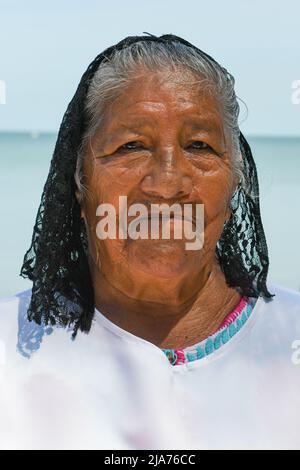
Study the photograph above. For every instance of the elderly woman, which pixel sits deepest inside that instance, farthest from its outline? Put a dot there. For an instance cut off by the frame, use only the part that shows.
(173, 348)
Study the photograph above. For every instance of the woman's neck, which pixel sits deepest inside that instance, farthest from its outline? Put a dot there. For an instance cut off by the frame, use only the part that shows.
(169, 326)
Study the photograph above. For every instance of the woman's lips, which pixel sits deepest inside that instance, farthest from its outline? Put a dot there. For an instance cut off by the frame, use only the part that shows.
(156, 228)
(162, 218)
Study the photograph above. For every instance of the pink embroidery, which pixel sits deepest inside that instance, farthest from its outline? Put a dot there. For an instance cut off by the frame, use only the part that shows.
(234, 314)
(180, 356)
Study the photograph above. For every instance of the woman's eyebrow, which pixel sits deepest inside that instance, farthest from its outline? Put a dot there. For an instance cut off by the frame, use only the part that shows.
(211, 125)
(134, 126)
(207, 123)
(116, 133)
(194, 124)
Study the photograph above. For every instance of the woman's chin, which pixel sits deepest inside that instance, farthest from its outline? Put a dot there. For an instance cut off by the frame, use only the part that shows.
(163, 258)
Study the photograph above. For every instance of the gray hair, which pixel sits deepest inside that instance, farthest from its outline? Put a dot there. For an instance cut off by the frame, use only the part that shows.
(116, 72)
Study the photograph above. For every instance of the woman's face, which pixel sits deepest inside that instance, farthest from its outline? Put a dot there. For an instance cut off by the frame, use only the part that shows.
(161, 141)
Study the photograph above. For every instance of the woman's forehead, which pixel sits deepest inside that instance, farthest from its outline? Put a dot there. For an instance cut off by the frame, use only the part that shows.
(144, 105)
(159, 87)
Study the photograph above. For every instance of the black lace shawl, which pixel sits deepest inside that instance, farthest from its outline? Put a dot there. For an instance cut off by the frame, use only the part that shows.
(57, 262)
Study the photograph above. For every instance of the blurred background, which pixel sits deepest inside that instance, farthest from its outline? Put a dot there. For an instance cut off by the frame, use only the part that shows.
(46, 46)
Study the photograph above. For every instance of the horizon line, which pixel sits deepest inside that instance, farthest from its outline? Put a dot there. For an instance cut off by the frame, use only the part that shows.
(36, 133)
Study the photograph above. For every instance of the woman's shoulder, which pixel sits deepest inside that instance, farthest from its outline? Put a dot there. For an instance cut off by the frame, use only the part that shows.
(282, 311)
(284, 295)
(17, 332)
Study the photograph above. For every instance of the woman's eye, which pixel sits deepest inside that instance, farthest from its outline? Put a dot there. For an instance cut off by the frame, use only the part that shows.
(131, 146)
(199, 145)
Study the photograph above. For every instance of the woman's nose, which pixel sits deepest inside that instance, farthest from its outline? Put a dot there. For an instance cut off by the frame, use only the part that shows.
(167, 181)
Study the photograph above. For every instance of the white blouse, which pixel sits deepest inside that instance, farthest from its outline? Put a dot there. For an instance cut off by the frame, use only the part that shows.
(110, 389)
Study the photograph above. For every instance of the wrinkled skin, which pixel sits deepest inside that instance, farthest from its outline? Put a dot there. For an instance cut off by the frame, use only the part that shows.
(180, 152)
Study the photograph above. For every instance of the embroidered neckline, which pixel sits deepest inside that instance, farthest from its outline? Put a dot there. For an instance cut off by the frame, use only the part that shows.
(233, 322)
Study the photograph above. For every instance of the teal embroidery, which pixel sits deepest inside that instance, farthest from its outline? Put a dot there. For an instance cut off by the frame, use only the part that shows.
(214, 342)
(249, 310)
(238, 324)
(200, 352)
(244, 318)
(225, 335)
(171, 355)
(209, 346)
(232, 330)
(191, 357)
(217, 342)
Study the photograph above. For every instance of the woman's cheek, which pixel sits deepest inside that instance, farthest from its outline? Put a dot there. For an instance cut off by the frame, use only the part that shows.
(215, 200)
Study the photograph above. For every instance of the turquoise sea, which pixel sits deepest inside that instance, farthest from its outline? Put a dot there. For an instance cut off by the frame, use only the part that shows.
(25, 160)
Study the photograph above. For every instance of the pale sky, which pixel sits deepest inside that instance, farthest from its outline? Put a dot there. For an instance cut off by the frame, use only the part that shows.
(46, 46)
